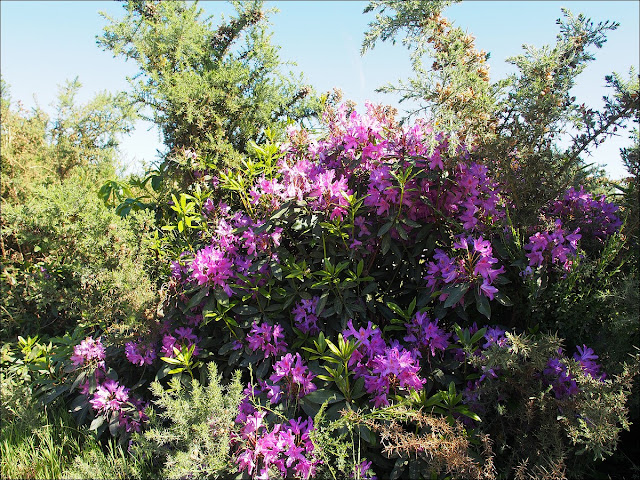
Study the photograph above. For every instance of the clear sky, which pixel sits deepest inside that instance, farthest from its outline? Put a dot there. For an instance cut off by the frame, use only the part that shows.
(43, 43)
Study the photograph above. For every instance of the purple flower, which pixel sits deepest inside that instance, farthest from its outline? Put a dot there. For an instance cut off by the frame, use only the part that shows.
(305, 317)
(211, 266)
(297, 378)
(495, 336)
(397, 369)
(87, 351)
(425, 334)
(586, 357)
(287, 448)
(561, 381)
(109, 397)
(267, 338)
(140, 353)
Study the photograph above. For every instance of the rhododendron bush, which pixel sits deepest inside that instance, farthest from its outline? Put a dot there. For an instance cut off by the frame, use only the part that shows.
(364, 269)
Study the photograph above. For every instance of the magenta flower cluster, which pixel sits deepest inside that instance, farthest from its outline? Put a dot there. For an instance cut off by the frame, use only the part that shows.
(304, 316)
(586, 357)
(268, 339)
(284, 447)
(555, 247)
(140, 353)
(596, 217)
(112, 398)
(387, 370)
(89, 351)
(424, 335)
(180, 338)
(472, 263)
(296, 378)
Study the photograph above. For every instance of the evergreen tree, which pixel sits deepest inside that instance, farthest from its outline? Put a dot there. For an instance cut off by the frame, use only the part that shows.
(515, 123)
(209, 88)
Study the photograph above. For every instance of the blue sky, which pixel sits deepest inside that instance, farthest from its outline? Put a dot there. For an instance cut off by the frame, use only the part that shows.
(44, 43)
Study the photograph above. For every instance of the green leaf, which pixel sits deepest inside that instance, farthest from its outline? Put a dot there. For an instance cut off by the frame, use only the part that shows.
(482, 304)
(385, 228)
(457, 292)
(197, 298)
(97, 422)
(246, 310)
(322, 395)
(503, 299)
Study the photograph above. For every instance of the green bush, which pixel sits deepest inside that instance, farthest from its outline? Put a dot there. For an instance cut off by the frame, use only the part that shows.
(69, 260)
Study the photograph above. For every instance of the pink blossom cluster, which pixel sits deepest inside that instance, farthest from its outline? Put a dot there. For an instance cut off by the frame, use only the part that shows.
(297, 379)
(180, 338)
(596, 217)
(89, 351)
(112, 398)
(473, 198)
(140, 353)
(386, 369)
(555, 247)
(266, 338)
(304, 316)
(394, 371)
(472, 263)
(233, 247)
(366, 149)
(285, 447)
(109, 396)
(369, 344)
(423, 334)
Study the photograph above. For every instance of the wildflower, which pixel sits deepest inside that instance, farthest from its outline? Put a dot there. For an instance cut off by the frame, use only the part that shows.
(586, 356)
(267, 338)
(425, 334)
(297, 377)
(397, 369)
(305, 317)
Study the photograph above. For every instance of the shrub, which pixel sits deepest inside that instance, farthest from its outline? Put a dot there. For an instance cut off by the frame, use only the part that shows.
(350, 271)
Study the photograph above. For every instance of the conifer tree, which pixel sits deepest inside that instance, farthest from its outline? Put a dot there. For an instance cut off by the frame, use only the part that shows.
(516, 123)
(210, 88)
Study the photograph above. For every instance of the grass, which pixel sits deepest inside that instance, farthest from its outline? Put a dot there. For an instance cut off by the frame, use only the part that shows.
(33, 446)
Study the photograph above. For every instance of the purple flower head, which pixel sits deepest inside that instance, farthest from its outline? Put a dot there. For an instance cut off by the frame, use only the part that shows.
(394, 371)
(87, 351)
(211, 266)
(182, 337)
(305, 318)
(287, 448)
(495, 336)
(267, 338)
(426, 335)
(140, 353)
(557, 375)
(586, 357)
(298, 380)
(109, 397)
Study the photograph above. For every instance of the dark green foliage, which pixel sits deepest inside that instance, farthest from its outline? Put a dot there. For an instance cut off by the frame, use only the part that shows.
(536, 432)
